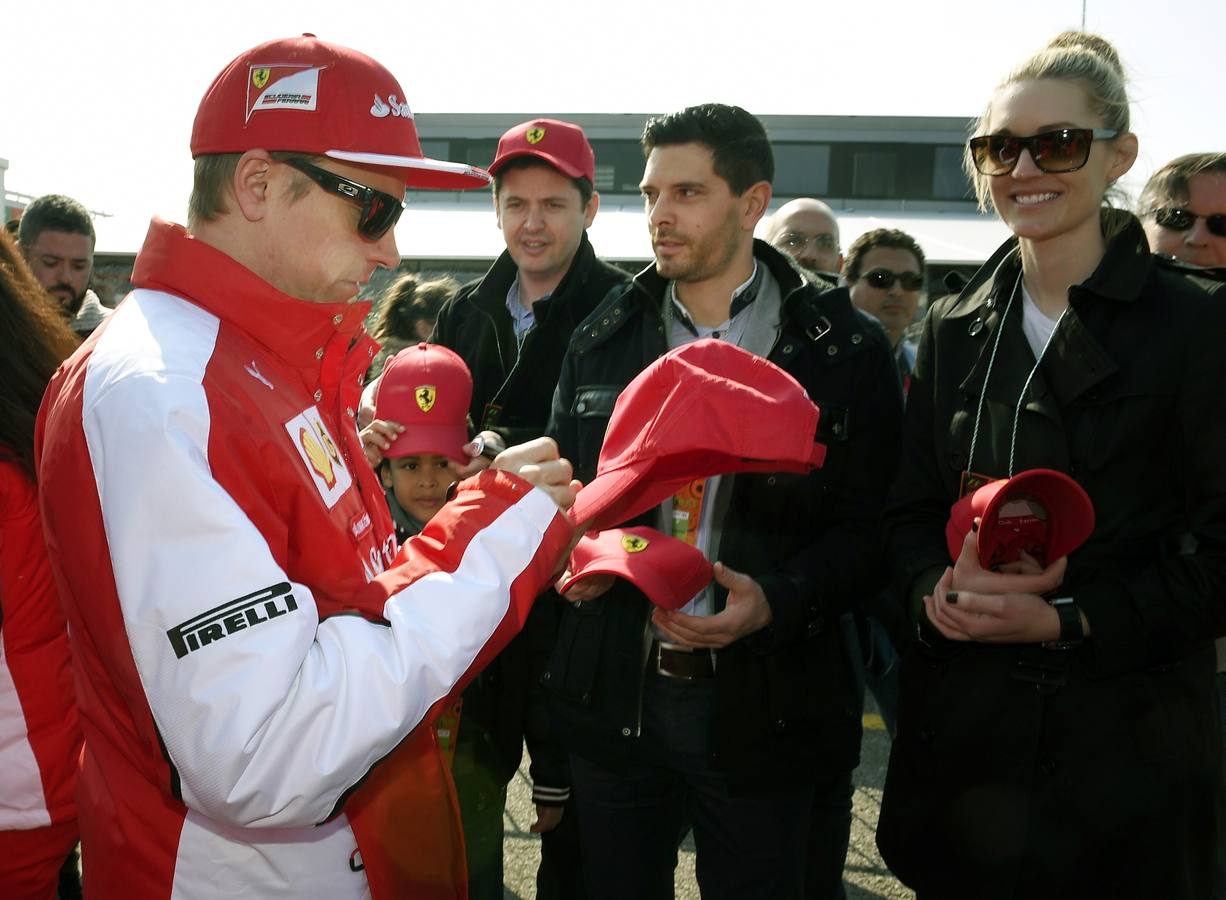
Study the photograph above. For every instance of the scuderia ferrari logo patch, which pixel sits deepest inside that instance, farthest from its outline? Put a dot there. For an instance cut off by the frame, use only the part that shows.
(320, 455)
(282, 87)
(535, 135)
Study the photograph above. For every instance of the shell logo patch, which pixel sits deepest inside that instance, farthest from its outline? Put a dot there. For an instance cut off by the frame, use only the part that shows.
(535, 135)
(321, 459)
(425, 394)
(632, 543)
(282, 87)
(316, 456)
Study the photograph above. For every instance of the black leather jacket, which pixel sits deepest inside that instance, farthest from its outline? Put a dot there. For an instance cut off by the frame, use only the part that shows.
(786, 698)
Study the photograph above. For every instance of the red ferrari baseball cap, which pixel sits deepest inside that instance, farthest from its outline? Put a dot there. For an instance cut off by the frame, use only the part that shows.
(669, 571)
(427, 389)
(707, 408)
(561, 144)
(306, 95)
(1041, 511)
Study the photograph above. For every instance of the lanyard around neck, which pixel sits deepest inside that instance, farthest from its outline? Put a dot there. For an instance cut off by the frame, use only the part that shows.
(983, 392)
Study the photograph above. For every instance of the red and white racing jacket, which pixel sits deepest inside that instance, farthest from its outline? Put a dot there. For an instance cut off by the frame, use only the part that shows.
(252, 654)
(40, 737)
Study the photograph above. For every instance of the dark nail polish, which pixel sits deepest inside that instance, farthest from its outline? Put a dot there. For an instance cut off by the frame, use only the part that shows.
(975, 526)
(952, 597)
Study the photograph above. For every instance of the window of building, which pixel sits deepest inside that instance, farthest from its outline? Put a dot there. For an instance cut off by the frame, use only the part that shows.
(875, 173)
(949, 182)
(802, 170)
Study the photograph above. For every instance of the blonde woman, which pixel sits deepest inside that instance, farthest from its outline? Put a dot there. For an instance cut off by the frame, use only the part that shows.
(1063, 749)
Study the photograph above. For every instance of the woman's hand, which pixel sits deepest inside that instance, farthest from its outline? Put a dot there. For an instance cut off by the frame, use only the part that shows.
(993, 618)
(1023, 577)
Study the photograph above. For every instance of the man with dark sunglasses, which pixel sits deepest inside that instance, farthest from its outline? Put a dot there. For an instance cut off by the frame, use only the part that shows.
(884, 271)
(264, 665)
(1183, 208)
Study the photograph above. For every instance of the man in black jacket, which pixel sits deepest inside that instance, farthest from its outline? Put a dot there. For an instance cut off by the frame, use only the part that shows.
(512, 327)
(727, 713)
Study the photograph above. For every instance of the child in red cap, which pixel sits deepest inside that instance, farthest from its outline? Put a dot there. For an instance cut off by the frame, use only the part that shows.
(426, 389)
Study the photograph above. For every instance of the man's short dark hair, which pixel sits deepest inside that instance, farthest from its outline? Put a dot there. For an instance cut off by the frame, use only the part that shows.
(1170, 183)
(879, 237)
(54, 212)
(735, 138)
(582, 185)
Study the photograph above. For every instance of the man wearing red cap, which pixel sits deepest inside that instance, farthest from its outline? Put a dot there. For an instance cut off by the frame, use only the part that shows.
(732, 711)
(511, 327)
(254, 657)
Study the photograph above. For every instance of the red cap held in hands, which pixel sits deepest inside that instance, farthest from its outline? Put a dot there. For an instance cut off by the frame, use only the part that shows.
(561, 144)
(427, 389)
(308, 96)
(1041, 511)
(670, 572)
(707, 408)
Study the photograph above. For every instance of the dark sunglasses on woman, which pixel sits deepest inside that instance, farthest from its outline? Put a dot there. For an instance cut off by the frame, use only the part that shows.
(1061, 150)
(1179, 219)
(884, 279)
(380, 211)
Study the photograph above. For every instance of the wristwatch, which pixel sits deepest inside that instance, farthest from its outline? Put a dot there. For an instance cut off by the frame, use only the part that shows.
(1071, 632)
(487, 449)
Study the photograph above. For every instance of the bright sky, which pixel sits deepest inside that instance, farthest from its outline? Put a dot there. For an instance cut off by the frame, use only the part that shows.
(97, 98)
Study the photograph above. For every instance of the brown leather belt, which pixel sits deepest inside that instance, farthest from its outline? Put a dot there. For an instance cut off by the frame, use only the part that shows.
(676, 661)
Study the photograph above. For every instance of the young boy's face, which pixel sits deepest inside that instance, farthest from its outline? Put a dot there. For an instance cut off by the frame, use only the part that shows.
(419, 482)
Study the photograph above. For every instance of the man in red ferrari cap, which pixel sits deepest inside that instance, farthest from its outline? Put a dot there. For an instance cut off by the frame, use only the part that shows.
(511, 327)
(254, 654)
(731, 712)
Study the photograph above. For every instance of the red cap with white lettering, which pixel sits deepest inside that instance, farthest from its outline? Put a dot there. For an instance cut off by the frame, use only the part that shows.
(308, 96)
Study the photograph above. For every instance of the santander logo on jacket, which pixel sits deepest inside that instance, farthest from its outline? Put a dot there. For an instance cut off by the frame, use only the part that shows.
(258, 652)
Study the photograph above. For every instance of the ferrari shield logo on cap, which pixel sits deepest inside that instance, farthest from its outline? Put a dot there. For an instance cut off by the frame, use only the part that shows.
(632, 543)
(426, 394)
(535, 135)
(259, 77)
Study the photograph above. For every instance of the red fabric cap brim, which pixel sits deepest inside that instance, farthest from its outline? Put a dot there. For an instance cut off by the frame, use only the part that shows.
(431, 440)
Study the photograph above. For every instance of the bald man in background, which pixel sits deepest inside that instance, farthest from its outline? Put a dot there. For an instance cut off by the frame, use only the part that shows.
(807, 230)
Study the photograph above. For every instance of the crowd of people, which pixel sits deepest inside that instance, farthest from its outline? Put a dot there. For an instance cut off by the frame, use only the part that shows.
(282, 602)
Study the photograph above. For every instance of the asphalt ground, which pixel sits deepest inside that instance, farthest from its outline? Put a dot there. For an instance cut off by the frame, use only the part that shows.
(864, 876)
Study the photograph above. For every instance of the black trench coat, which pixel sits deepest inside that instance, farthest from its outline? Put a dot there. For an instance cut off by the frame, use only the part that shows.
(1020, 772)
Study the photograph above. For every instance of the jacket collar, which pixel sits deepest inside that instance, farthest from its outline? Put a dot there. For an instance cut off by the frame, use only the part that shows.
(1076, 361)
(1120, 274)
(296, 330)
(491, 291)
(654, 286)
(647, 293)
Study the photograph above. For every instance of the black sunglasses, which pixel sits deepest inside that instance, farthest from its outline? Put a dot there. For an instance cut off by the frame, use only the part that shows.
(1178, 219)
(1062, 150)
(884, 279)
(380, 211)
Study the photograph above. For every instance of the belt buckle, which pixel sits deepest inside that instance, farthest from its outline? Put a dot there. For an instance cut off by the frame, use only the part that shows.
(658, 648)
